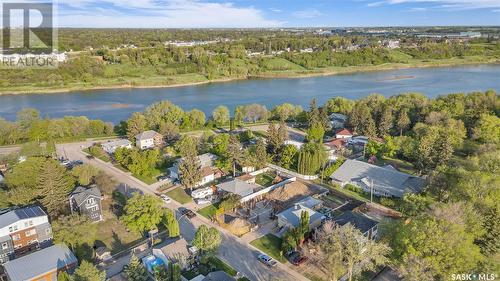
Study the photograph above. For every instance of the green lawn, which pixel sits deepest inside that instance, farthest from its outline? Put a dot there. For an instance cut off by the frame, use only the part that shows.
(271, 245)
(264, 179)
(209, 211)
(149, 179)
(101, 156)
(210, 265)
(179, 195)
(115, 236)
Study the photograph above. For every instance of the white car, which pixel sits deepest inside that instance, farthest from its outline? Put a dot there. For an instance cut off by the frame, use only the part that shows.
(165, 198)
(202, 201)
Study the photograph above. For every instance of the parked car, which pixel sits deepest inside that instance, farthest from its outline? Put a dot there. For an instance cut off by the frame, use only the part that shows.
(77, 162)
(188, 213)
(206, 200)
(164, 179)
(165, 198)
(267, 260)
(296, 258)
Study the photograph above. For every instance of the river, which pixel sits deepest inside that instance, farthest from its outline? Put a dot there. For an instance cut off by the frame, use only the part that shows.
(116, 105)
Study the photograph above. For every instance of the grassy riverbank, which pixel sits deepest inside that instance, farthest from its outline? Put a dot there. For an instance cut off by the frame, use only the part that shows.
(148, 79)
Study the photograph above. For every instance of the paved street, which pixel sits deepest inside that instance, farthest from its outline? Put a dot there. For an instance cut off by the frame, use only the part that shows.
(235, 251)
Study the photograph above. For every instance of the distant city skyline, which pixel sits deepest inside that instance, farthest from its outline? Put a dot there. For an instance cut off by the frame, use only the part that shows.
(275, 13)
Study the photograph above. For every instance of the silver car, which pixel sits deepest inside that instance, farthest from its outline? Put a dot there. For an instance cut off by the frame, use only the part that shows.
(267, 260)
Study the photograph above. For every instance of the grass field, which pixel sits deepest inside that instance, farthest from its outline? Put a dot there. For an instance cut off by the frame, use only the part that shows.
(209, 211)
(271, 245)
(179, 195)
(264, 179)
(115, 236)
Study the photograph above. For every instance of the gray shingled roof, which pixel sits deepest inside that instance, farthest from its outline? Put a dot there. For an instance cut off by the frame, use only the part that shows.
(358, 220)
(384, 179)
(146, 135)
(15, 215)
(39, 262)
(120, 142)
(238, 187)
(292, 215)
(80, 194)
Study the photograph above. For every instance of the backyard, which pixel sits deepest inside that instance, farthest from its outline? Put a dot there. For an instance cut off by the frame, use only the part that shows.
(271, 245)
(265, 179)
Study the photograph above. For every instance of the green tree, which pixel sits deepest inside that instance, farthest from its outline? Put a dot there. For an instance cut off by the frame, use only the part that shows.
(276, 137)
(84, 174)
(361, 119)
(261, 154)
(190, 171)
(163, 111)
(134, 270)
(171, 223)
(311, 158)
(385, 121)
(207, 240)
(402, 121)
(136, 124)
(220, 115)
(444, 247)
(288, 156)
(88, 272)
(488, 129)
(54, 185)
(315, 133)
(186, 146)
(63, 276)
(78, 232)
(142, 213)
(234, 153)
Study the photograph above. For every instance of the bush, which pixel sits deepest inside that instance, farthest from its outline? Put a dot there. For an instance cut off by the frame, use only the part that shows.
(354, 188)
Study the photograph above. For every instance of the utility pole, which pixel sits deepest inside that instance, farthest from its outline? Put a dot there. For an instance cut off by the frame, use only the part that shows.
(371, 192)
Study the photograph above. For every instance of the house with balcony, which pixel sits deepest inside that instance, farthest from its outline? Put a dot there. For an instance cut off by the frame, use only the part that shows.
(23, 230)
(87, 201)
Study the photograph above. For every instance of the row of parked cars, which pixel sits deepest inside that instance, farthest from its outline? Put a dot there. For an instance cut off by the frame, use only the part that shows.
(295, 258)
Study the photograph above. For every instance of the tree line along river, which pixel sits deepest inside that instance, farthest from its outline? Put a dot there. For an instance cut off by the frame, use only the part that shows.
(118, 104)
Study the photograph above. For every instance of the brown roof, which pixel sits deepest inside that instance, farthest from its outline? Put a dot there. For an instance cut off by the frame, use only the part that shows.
(245, 177)
(337, 143)
(206, 171)
(344, 132)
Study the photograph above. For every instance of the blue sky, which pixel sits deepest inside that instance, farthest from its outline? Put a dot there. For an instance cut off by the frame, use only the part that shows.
(275, 13)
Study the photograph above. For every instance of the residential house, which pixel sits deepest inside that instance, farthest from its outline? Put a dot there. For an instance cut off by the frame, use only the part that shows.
(290, 218)
(238, 187)
(23, 230)
(338, 120)
(343, 134)
(148, 139)
(208, 171)
(111, 146)
(86, 201)
(248, 178)
(311, 203)
(41, 265)
(366, 225)
(383, 181)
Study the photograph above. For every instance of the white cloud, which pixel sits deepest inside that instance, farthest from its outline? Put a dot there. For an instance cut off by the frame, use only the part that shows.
(307, 14)
(450, 4)
(158, 13)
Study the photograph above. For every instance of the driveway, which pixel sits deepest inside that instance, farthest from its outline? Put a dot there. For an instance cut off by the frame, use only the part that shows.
(235, 251)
